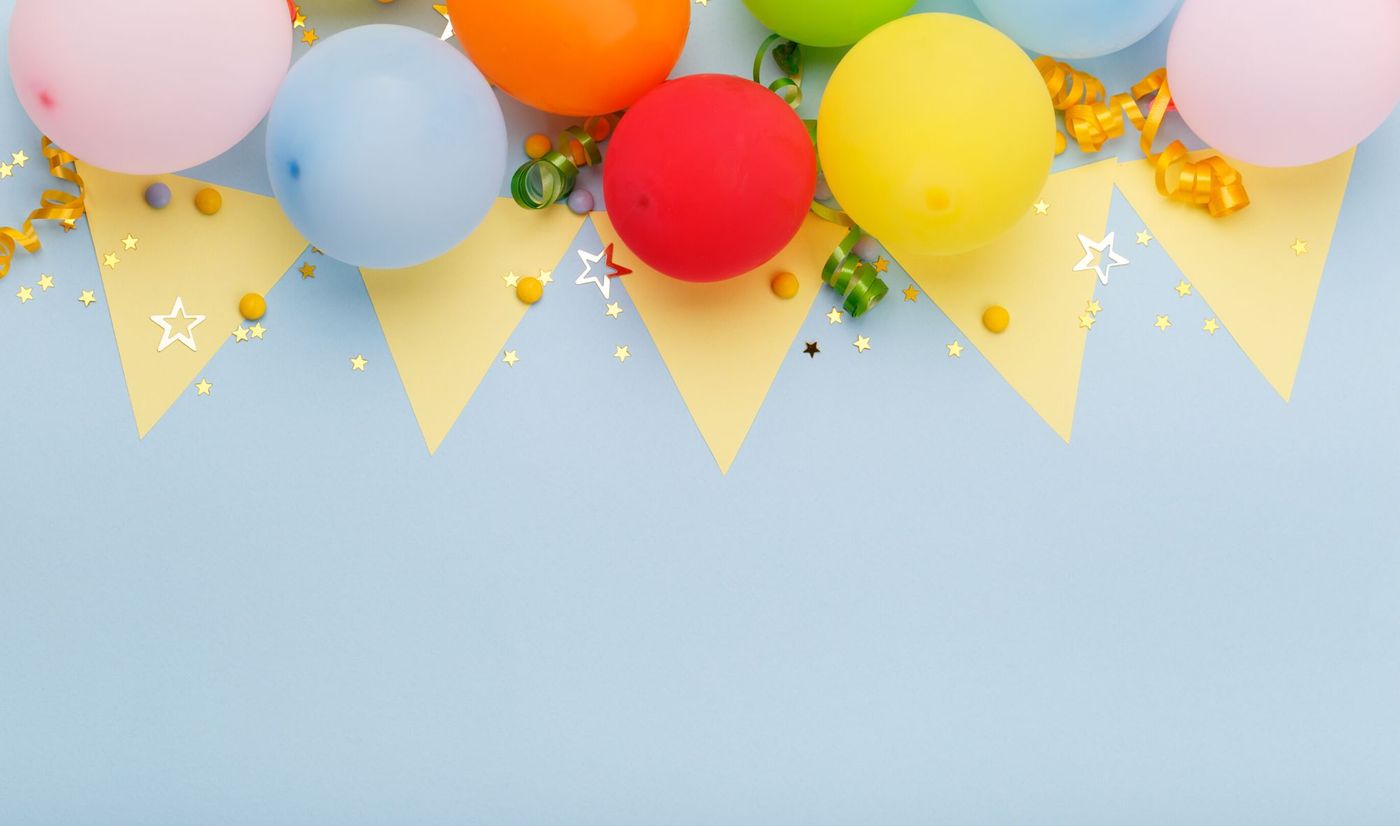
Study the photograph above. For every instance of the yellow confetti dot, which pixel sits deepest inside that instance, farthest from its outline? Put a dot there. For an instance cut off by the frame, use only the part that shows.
(996, 319)
(536, 146)
(529, 289)
(785, 285)
(252, 306)
(208, 201)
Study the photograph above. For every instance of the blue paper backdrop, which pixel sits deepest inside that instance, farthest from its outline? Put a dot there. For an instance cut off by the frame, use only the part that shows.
(908, 603)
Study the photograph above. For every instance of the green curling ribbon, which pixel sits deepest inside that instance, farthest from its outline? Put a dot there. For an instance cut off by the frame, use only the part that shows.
(550, 179)
(855, 281)
(788, 56)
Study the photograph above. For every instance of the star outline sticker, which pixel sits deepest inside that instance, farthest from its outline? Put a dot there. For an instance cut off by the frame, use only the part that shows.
(1105, 248)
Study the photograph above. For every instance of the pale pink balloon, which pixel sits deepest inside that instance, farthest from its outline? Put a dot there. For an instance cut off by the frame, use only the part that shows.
(1285, 82)
(148, 86)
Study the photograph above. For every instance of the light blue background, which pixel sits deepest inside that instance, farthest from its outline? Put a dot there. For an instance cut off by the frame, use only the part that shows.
(908, 603)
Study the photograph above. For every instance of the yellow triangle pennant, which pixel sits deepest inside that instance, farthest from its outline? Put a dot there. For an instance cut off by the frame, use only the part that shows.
(151, 259)
(1260, 268)
(1029, 271)
(725, 342)
(447, 320)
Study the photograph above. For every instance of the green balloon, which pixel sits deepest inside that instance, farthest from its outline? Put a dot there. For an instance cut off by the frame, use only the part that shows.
(826, 22)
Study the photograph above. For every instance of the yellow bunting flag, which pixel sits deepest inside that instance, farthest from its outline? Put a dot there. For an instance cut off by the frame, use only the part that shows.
(173, 277)
(1260, 270)
(724, 343)
(1030, 272)
(447, 320)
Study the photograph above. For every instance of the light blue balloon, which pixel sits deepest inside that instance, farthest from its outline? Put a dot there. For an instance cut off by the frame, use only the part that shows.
(1076, 28)
(386, 146)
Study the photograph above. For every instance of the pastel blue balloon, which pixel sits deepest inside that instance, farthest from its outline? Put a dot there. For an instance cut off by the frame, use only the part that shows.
(386, 147)
(1076, 28)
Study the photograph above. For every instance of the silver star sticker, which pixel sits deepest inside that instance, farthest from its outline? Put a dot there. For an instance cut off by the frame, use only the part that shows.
(1107, 258)
(603, 281)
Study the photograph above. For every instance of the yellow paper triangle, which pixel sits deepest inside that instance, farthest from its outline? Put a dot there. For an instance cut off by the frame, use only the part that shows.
(447, 320)
(1029, 271)
(724, 343)
(209, 262)
(1244, 264)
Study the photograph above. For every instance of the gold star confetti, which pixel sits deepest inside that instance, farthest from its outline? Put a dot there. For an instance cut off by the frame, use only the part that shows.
(1041, 208)
(862, 343)
(1183, 289)
(309, 37)
(298, 19)
(955, 350)
(358, 363)
(45, 282)
(510, 358)
(308, 270)
(241, 334)
(1087, 321)
(613, 311)
(622, 354)
(203, 388)
(257, 331)
(6, 170)
(835, 316)
(68, 225)
(1162, 323)
(1093, 307)
(19, 158)
(546, 277)
(130, 242)
(705, 3)
(1211, 326)
(511, 279)
(1300, 247)
(881, 264)
(110, 260)
(911, 293)
(87, 298)
(25, 295)
(1144, 238)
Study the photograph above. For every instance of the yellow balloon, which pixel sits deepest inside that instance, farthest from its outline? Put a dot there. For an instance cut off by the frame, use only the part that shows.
(936, 134)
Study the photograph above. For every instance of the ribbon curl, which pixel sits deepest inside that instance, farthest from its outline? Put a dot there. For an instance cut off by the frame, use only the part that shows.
(1093, 119)
(54, 205)
(788, 56)
(550, 179)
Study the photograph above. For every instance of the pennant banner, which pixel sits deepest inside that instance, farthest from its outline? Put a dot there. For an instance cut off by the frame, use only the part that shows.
(447, 320)
(725, 342)
(1259, 269)
(1029, 271)
(184, 267)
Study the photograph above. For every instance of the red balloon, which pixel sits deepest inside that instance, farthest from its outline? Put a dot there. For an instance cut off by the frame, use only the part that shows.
(709, 176)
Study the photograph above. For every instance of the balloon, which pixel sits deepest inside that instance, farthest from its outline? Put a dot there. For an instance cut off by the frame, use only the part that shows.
(573, 57)
(826, 22)
(148, 87)
(1077, 28)
(385, 147)
(708, 177)
(1285, 86)
(936, 133)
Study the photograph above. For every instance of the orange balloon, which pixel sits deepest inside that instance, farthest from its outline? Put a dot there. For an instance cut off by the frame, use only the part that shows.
(572, 57)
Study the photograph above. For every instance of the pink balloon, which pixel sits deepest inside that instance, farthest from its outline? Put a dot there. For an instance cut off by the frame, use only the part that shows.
(1285, 82)
(148, 86)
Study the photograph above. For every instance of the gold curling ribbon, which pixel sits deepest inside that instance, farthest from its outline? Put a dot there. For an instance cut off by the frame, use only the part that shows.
(54, 205)
(1093, 119)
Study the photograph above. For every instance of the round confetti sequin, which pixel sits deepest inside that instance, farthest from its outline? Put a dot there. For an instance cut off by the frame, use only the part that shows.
(252, 306)
(785, 285)
(536, 146)
(581, 201)
(208, 201)
(529, 289)
(996, 319)
(158, 196)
